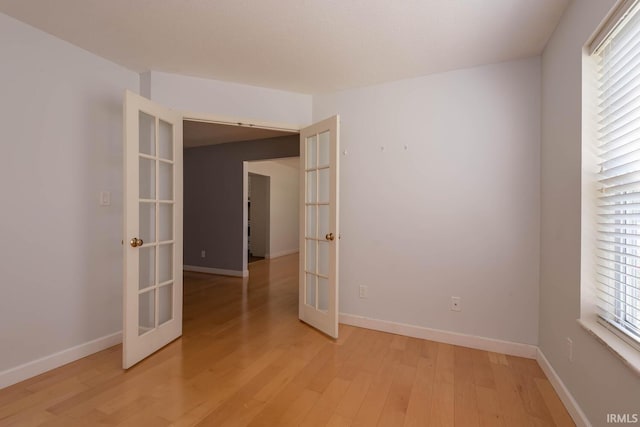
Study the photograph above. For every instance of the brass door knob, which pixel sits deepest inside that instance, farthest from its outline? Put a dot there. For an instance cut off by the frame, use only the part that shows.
(135, 242)
(329, 236)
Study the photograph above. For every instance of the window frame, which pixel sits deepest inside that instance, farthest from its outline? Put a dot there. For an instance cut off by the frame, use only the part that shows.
(617, 339)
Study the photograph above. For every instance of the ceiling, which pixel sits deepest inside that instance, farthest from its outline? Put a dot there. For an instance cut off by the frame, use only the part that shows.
(197, 134)
(309, 46)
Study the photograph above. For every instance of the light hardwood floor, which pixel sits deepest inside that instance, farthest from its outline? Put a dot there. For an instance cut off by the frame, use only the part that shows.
(245, 359)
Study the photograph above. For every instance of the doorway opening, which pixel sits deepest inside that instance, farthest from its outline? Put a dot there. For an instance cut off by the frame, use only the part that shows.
(176, 184)
(216, 199)
(258, 209)
(272, 194)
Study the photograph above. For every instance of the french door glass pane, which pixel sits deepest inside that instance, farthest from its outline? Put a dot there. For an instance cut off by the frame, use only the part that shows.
(166, 181)
(165, 140)
(323, 294)
(311, 256)
(311, 150)
(146, 311)
(165, 263)
(323, 149)
(166, 222)
(311, 221)
(323, 186)
(147, 266)
(165, 303)
(323, 221)
(323, 258)
(147, 134)
(311, 187)
(148, 222)
(310, 294)
(147, 179)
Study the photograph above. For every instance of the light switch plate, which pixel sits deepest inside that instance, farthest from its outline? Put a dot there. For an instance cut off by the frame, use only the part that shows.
(105, 198)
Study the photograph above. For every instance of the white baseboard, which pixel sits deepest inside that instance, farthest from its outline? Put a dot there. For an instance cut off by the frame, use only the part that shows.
(567, 399)
(282, 253)
(44, 364)
(219, 271)
(481, 343)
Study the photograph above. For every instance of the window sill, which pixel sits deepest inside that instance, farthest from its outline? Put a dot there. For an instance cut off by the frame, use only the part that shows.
(623, 351)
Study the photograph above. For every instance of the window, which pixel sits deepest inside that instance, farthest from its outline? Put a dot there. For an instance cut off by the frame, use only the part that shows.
(617, 236)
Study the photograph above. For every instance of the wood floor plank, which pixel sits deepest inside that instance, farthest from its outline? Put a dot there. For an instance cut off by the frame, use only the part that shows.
(245, 359)
(397, 402)
(51, 395)
(361, 342)
(338, 421)
(326, 405)
(429, 350)
(352, 399)
(242, 399)
(465, 399)
(511, 405)
(299, 408)
(412, 351)
(33, 417)
(340, 356)
(557, 410)
(371, 407)
(442, 411)
(489, 414)
(482, 374)
(419, 406)
(534, 404)
(379, 353)
(275, 409)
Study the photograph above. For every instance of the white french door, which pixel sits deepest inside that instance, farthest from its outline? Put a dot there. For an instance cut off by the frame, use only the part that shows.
(152, 291)
(319, 228)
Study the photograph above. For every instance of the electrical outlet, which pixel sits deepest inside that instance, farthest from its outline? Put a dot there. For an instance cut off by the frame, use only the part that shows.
(456, 304)
(364, 291)
(570, 349)
(203, 254)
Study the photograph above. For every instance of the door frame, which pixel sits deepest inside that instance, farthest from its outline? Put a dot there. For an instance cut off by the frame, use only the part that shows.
(231, 121)
(240, 121)
(245, 211)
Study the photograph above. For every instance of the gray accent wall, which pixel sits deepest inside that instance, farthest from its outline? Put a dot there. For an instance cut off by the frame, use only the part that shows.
(213, 198)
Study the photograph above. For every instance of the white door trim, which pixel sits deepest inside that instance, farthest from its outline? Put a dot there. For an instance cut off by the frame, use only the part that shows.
(240, 121)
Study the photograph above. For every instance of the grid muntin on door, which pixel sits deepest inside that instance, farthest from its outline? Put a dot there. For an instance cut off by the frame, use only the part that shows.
(156, 226)
(317, 247)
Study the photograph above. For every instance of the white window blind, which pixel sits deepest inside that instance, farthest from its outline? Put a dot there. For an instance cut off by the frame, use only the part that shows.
(618, 144)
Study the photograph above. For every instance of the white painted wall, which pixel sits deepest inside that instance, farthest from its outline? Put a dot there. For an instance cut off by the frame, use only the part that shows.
(599, 382)
(199, 95)
(456, 213)
(60, 252)
(284, 195)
